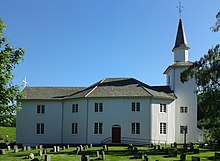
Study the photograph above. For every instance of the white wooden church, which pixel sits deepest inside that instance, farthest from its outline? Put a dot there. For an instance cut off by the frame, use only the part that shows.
(113, 110)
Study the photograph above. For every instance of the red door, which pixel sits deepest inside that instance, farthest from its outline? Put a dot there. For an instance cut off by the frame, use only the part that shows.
(116, 134)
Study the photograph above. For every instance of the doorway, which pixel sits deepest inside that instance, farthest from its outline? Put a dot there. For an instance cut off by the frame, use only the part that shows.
(116, 134)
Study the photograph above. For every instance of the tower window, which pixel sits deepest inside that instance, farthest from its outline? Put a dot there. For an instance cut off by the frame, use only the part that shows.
(163, 108)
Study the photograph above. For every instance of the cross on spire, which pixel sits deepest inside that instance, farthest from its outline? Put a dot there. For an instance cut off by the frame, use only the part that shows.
(180, 7)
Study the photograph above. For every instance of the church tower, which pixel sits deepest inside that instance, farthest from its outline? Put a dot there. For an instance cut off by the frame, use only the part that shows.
(185, 105)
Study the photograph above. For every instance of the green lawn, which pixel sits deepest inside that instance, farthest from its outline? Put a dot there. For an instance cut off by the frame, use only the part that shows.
(7, 134)
(115, 153)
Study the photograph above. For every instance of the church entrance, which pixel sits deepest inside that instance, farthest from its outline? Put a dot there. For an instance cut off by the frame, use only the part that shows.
(116, 134)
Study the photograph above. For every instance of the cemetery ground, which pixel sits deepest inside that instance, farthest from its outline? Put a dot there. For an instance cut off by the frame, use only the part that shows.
(114, 153)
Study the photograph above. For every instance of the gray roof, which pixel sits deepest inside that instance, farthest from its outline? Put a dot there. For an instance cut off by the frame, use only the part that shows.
(178, 64)
(45, 93)
(106, 88)
(181, 37)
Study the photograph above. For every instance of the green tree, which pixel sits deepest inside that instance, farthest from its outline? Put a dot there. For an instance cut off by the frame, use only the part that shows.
(9, 58)
(206, 71)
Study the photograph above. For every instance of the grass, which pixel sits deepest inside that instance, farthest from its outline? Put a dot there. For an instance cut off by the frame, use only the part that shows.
(7, 134)
(115, 153)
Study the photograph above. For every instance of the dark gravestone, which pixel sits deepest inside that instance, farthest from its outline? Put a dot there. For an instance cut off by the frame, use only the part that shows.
(195, 158)
(175, 145)
(2, 151)
(217, 155)
(158, 147)
(183, 157)
(145, 157)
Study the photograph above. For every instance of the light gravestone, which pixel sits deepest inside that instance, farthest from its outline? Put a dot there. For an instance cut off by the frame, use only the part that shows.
(40, 152)
(54, 149)
(47, 158)
(97, 154)
(2, 151)
(8, 148)
(44, 151)
(103, 155)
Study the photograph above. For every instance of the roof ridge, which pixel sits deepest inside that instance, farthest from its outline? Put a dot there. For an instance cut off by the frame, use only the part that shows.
(94, 87)
(140, 83)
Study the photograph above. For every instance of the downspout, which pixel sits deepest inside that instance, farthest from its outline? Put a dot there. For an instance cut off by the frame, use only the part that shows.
(87, 119)
(150, 120)
(62, 122)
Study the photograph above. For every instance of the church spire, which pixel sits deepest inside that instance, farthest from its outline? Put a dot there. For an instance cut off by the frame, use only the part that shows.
(181, 38)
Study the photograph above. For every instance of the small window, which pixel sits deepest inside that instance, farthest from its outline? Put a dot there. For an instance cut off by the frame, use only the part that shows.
(163, 108)
(184, 110)
(135, 106)
(98, 107)
(183, 129)
(40, 128)
(74, 108)
(40, 109)
(98, 128)
(163, 128)
(74, 128)
(135, 128)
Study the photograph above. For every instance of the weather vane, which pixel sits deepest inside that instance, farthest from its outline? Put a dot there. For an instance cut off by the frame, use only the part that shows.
(180, 7)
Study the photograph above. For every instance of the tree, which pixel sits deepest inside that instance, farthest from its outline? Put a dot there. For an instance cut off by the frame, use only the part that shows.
(9, 58)
(206, 71)
(216, 27)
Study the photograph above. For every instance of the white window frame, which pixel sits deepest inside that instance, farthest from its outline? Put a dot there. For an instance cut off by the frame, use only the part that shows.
(40, 128)
(98, 128)
(74, 128)
(75, 108)
(40, 109)
(163, 128)
(98, 107)
(135, 128)
(184, 109)
(136, 106)
(163, 108)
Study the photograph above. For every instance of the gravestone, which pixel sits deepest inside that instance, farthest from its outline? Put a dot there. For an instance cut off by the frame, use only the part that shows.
(24, 148)
(28, 148)
(58, 149)
(155, 147)
(31, 156)
(68, 146)
(36, 147)
(195, 158)
(63, 148)
(54, 149)
(81, 148)
(145, 157)
(40, 146)
(85, 158)
(15, 149)
(44, 151)
(104, 147)
(77, 150)
(2, 151)
(175, 145)
(47, 158)
(183, 157)
(158, 147)
(8, 148)
(103, 155)
(90, 145)
(40, 152)
(97, 154)
(217, 155)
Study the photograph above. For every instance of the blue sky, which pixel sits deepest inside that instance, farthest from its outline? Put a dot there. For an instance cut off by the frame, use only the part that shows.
(79, 42)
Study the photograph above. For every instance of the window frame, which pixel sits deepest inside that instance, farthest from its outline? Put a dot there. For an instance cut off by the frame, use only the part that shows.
(181, 129)
(136, 106)
(40, 128)
(98, 128)
(163, 128)
(74, 128)
(136, 128)
(75, 108)
(163, 108)
(41, 109)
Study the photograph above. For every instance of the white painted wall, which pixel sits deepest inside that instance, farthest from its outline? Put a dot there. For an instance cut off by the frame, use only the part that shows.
(118, 111)
(186, 96)
(158, 117)
(80, 117)
(27, 118)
